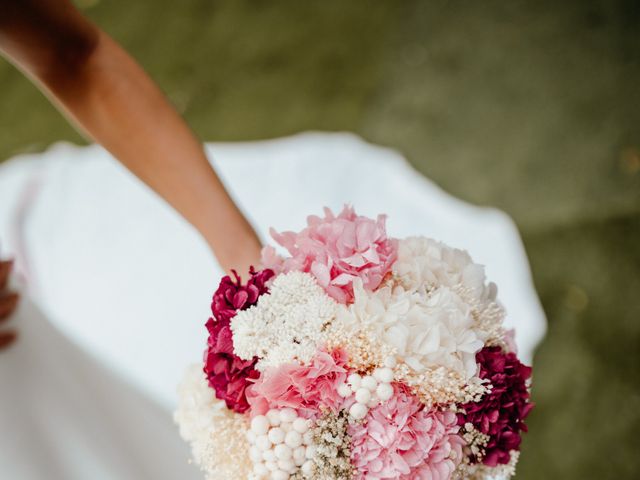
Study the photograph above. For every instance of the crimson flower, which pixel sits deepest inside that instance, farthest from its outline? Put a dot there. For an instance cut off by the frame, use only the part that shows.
(228, 374)
(232, 296)
(501, 412)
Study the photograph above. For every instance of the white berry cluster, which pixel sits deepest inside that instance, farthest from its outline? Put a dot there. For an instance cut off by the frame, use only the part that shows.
(281, 444)
(368, 390)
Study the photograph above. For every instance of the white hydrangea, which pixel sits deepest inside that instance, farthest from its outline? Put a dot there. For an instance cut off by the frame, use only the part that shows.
(425, 266)
(426, 331)
(424, 263)
(214, 432)
(438, 331)
(286, 325)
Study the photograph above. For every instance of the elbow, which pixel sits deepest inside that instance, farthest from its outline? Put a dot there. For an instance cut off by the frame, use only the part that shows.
(49, 40)
(68, 57)
(75, 52)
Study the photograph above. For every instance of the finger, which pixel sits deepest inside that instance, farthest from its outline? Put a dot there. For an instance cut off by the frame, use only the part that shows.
(5, 269)
(8, 304)
(7, 338)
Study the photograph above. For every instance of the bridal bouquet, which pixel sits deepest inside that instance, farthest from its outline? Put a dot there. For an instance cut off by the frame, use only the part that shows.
(358, 356)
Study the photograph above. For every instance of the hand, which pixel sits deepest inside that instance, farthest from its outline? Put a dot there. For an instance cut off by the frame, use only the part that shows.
(237, 251)
(8, 303)
(230, 236)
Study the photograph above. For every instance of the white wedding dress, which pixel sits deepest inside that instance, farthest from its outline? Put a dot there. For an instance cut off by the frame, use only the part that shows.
(124, 287)
(64, 416)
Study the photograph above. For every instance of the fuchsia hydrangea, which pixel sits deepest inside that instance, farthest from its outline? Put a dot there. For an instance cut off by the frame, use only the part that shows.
(401, 439)
(227, 373)
(501, 412)
(337, 250)
(232, 295)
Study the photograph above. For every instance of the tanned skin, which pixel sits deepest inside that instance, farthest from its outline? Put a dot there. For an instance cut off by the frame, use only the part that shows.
(108, 97)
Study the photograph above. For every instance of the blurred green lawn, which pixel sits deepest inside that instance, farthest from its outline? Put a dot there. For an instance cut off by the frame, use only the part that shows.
(530, 106)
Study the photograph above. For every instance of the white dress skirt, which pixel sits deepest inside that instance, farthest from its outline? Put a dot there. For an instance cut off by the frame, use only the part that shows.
(120, 287)
(64, 416)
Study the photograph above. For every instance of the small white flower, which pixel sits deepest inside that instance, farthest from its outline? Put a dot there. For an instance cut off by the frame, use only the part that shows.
(286, 325)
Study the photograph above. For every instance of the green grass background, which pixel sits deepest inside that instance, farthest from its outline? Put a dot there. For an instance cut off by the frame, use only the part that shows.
(529, 106)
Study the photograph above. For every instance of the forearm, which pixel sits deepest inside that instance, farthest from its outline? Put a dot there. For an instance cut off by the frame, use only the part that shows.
(112, 100)
(125, 112)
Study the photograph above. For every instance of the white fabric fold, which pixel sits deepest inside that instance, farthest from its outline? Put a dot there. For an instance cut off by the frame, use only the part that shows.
(118, 273)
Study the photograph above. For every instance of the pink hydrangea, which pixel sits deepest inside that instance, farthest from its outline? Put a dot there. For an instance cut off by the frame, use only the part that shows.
(400, 439)
(336, 250)
(227, 373)
(304, 388)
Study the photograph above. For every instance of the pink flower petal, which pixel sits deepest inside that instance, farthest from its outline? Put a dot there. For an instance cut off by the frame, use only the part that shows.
(337, 250)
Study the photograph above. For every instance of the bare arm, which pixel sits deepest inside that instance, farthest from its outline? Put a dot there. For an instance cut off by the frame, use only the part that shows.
(111, 99)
